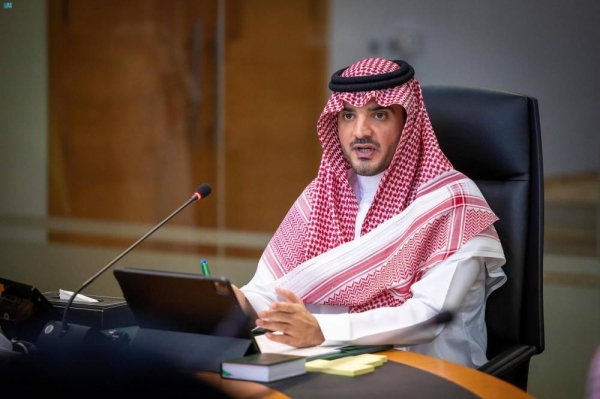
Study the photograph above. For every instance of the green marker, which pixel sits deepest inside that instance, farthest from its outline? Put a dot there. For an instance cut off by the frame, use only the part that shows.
(205, 269)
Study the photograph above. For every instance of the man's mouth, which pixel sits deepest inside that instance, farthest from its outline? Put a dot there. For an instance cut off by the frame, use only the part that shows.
(364, 151)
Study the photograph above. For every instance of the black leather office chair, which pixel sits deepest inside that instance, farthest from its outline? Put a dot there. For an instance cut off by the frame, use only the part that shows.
(494, 138)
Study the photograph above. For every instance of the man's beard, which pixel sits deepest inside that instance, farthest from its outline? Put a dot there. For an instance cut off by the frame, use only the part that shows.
(365, 168)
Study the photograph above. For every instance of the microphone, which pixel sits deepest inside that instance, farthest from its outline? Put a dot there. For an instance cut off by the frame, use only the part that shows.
(443, 317)
(202, 192)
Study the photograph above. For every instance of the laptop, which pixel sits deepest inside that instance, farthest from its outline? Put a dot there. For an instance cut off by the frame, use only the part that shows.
(194, 319)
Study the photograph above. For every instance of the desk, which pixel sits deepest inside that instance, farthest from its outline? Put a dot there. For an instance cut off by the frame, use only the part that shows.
(478, 383)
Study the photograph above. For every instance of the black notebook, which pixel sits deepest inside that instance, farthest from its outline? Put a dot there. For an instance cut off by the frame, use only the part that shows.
(264, 367)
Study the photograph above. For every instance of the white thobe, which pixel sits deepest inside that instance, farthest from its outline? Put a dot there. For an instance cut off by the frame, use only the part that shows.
(460, 283)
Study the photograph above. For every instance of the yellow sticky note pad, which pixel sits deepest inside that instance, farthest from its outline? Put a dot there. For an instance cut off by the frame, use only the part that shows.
(371, 359)
(350, 370)
(347, 366)
(317, 365)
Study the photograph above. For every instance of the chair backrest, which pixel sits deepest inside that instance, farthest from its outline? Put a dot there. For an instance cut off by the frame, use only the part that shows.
(493, 137)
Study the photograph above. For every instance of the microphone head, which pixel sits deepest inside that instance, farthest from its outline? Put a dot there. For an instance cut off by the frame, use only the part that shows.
(444, 317)
(203, 190)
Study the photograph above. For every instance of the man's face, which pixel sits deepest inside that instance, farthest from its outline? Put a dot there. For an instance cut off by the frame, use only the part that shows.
(369, 135)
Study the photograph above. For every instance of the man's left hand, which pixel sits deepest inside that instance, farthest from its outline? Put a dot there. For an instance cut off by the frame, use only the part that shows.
(299, 327)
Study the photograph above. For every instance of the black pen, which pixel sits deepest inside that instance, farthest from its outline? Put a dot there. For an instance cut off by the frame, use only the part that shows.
(260, 331)
(353, 350)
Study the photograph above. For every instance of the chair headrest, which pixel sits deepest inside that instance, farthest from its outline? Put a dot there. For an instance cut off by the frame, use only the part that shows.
(484, 133)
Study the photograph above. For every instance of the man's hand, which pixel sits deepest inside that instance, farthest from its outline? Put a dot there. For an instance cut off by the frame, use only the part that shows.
(299, 327)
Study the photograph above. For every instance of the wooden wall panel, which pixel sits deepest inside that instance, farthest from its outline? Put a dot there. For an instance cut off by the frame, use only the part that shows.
(133, 95)
(127, 126)
(275, 91)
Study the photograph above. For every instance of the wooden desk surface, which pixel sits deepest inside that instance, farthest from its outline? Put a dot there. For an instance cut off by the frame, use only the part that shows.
(479, 383)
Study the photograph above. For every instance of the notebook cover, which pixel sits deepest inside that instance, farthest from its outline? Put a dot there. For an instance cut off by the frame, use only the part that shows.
(264, 359)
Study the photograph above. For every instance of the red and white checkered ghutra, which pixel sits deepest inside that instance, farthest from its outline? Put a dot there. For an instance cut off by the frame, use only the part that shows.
(438, 208)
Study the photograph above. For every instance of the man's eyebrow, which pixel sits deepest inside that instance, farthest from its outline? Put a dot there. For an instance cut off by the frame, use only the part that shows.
(371, 109)
(380, 108)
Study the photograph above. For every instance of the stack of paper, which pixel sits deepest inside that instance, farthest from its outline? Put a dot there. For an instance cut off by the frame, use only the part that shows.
(347, 366)
(268, 346)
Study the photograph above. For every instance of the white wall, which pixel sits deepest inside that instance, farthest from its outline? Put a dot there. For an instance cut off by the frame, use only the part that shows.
(549, 50)
(546, 49)
(23, 112)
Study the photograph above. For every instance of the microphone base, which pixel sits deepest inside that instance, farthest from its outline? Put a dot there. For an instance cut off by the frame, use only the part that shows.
(52, 339)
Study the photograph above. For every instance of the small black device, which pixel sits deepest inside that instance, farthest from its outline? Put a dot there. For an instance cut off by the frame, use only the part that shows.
(107, 313)
(23, 310)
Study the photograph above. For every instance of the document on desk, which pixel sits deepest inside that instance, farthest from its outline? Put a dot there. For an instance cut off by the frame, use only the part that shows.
(66, 295)
(268, 346)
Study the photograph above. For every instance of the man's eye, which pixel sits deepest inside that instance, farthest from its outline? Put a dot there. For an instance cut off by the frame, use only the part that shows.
(347, 116)
(380, 115)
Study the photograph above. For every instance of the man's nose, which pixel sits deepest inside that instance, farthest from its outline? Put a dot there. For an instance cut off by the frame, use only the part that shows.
(362, 128)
